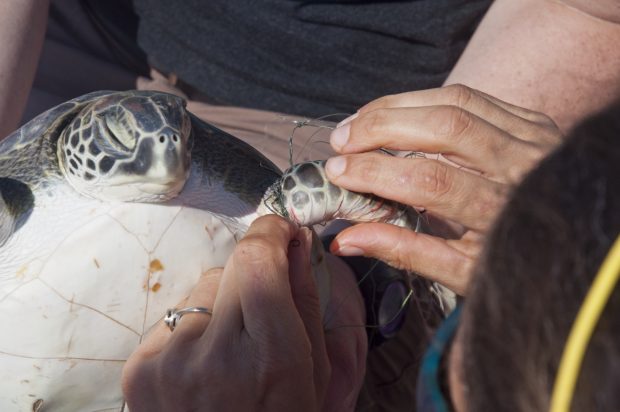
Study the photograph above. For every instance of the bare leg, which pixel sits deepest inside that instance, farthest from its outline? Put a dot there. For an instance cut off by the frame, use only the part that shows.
(22, 28)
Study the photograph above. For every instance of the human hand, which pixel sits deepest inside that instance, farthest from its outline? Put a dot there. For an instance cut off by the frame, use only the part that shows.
(484, 147)
(264, 347)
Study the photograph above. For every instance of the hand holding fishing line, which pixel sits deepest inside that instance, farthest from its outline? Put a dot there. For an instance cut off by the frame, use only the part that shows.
(484, 146)
(263, 345)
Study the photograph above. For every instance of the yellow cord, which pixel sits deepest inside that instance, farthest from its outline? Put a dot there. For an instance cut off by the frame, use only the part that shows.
(582, 330)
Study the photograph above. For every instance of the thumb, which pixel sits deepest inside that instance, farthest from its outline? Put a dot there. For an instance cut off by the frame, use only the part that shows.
(435, 258)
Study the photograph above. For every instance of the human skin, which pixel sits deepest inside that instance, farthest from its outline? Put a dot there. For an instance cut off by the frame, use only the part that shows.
(489, 63)
(477, 148)
(264, 347)
(557, 58)
(22, 30)
(560, 58)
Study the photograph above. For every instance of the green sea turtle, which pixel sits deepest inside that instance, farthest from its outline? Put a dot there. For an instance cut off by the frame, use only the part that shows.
(111, 206)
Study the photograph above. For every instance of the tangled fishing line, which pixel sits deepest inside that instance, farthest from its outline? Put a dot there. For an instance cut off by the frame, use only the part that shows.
(420, 291)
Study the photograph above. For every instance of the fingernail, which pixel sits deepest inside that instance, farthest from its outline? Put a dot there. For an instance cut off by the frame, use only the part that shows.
(335, 166)
(303, 238)
(340, 136)
(348, 251)
(348, 119)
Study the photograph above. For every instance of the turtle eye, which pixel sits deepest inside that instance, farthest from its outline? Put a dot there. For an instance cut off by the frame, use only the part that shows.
(119, 138)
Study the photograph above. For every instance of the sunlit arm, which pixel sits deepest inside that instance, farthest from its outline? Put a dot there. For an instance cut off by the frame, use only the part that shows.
(558, 57)
(22, 29)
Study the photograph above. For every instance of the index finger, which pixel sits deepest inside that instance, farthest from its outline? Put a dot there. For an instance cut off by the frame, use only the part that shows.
(475, 101)
(459, 135)
(255, 293)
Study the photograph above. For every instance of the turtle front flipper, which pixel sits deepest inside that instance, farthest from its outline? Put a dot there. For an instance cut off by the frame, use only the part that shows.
(16, 203)
(307, 197)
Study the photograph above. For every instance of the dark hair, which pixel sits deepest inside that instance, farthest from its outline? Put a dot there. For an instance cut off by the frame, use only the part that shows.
(539, 263)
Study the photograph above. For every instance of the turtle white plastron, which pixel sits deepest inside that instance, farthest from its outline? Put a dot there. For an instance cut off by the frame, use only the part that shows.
(111, 206)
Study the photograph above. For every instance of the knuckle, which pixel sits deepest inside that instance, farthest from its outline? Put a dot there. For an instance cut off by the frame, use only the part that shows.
(380, 103)
(433, 179)
(500, 144)
(460, 122)
(372, 123)
(368, 169)
(460, 95)
(456, 123)
(258, 249)
(529, 154)
(490, 204)
(533, 153)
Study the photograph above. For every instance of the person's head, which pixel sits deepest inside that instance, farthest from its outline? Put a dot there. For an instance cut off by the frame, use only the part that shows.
(539, 263)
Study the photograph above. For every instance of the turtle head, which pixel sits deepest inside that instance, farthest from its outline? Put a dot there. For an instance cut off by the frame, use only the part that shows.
(128, 146)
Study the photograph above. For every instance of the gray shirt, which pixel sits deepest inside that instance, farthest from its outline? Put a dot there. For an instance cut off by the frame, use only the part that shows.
(306, 57)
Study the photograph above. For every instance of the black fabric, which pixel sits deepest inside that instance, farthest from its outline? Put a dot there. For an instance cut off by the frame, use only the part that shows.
(117, 24)
(306, 57)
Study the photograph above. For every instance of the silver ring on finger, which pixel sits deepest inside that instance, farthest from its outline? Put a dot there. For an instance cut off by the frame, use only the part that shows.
(173, 316)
